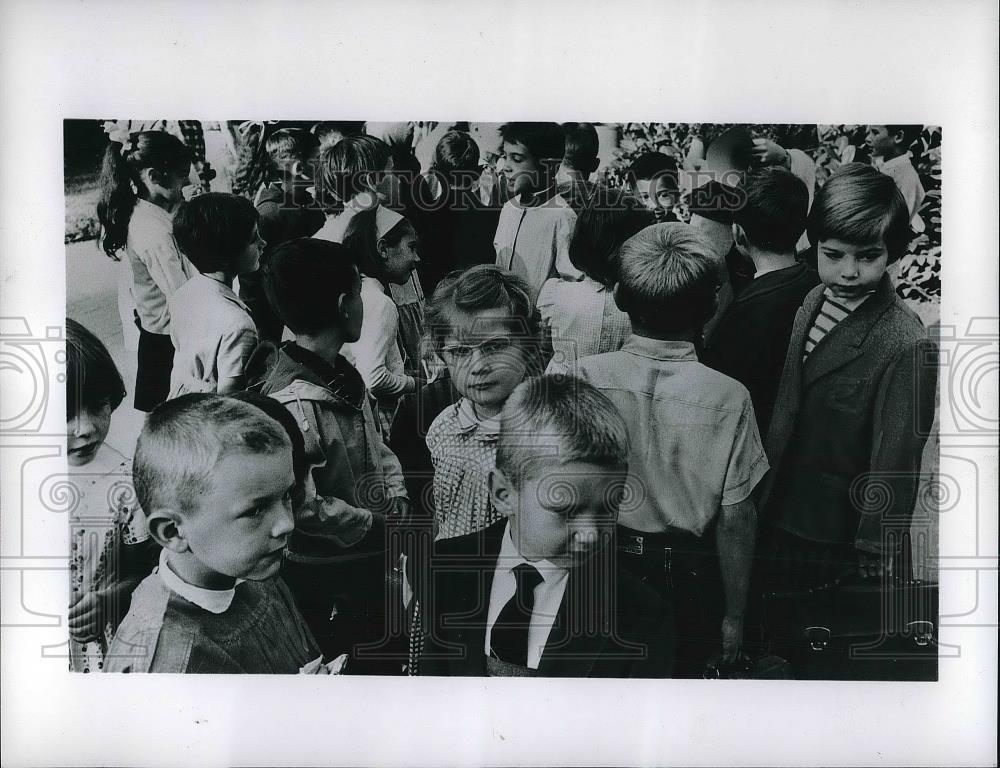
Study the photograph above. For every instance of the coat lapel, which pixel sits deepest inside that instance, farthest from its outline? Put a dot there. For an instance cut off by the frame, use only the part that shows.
(843, 344)
(583, 625)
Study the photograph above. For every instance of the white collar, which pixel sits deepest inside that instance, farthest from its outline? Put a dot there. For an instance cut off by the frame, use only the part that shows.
(896, 161)
(509, 558)
(212, 600)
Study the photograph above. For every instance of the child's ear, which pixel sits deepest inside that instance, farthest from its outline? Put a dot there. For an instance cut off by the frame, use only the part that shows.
(165, 527)
(740, 239)
(382, 249)
(501, 493)
(342, 311)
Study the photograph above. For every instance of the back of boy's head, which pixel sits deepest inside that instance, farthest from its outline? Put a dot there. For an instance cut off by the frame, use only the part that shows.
(456, 153)
(304, 279)
(329, 132)
(910, 133)
(92, 379)
(580, 153)
(183, 440)
(654, 165)
(213, 229)
(667, 278)
(346, 164)
(559, 418)
(479, 288)
(601, 228)
(774, 213)
(545, 141)
(859, 204)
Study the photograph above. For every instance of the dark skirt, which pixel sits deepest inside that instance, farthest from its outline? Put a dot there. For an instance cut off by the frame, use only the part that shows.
(152, 378)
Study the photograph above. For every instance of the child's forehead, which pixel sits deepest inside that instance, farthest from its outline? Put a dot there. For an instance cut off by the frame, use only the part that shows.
(484, 322)
(515, 147)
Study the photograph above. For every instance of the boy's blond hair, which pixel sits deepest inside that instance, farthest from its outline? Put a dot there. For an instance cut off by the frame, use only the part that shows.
(561, 418)
(183, 439)
(667, 278)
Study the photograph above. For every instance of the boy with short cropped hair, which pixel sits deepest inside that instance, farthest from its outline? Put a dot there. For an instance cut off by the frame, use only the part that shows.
(215, 479)
(536, 224)
(890, 149)
(856, 396)
(700, 456)
(536, 592)
(336, 562)
(750, 341)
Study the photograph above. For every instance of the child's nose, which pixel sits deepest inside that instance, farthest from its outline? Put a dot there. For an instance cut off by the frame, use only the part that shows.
(82, 425)
(285, 522)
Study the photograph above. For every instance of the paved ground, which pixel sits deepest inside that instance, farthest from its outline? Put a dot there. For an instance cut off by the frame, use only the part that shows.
(91, 290)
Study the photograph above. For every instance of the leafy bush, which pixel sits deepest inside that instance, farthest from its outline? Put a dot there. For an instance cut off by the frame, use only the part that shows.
(918, 275)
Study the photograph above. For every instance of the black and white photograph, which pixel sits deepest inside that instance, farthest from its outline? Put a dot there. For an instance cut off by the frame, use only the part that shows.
(694, 408)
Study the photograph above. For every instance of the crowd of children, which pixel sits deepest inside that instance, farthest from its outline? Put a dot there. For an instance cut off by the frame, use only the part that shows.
(604, 433)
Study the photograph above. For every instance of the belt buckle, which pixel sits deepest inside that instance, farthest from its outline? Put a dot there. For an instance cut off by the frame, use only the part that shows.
(631, 545)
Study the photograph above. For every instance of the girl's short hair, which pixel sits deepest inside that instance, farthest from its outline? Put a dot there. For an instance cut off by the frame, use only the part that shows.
(119, 181)
(667, 278)
(265, 152)
(304, 280)
(329, 132)
(601, 228)
(482, 287)
(213, 229)
(361, 241)
(545, 141)
(859, 204)
(346, 164)
(92, 379)
(456, 152)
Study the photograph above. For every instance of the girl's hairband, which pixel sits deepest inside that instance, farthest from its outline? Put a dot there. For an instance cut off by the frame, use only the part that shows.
(385, 220)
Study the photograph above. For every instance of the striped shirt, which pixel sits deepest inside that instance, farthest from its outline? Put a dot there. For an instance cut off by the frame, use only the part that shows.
(831, 314)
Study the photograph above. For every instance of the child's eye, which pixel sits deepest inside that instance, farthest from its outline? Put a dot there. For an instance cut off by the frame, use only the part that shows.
(496, 346)
(458, 350)
(832, 255)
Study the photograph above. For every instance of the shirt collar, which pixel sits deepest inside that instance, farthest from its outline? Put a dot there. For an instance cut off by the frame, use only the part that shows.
(470, 423)
(898, 160)
(509, 558)
(657, 349)
(153, 210)
(211, 600)
(223, 290)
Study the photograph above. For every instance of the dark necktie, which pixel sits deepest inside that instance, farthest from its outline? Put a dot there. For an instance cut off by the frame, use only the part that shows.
(509, 640)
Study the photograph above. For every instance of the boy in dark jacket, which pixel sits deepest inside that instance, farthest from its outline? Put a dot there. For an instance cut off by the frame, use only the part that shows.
(856, 397)
(751, 339)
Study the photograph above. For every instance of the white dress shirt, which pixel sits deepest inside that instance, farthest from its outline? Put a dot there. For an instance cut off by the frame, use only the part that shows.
(548, 596)
(211, 600)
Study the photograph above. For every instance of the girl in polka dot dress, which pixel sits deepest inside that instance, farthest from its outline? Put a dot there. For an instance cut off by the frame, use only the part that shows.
(486, 329)
(110, 548)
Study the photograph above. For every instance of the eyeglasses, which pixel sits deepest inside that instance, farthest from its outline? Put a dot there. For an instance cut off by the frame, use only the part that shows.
(494, 346)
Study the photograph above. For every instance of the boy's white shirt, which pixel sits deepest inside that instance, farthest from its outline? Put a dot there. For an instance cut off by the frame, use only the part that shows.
(212, 600)
(548, 596)
(376, 354)
(901, 170)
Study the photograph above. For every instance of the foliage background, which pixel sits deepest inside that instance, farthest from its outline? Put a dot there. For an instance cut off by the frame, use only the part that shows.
(918, 273)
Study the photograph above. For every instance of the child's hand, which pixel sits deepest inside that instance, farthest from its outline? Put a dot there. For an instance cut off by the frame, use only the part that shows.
(767, 152)
(86, 617)
(402, 510)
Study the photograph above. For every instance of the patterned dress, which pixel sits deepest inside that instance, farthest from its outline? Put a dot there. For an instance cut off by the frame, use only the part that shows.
(106, 516)
(463, 449)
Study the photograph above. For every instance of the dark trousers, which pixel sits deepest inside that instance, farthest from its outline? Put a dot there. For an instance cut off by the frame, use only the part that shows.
(352, 603)
(155, 362)
(683, 569)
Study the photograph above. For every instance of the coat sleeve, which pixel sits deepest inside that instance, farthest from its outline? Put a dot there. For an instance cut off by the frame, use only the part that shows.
(904, 410)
